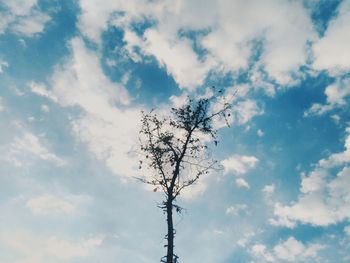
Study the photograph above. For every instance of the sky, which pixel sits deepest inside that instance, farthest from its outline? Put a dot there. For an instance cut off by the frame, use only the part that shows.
(74, 77)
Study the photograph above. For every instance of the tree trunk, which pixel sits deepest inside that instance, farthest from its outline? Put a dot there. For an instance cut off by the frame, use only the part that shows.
(170, 236)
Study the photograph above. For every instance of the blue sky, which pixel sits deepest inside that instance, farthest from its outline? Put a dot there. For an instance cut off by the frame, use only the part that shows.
(74, 76)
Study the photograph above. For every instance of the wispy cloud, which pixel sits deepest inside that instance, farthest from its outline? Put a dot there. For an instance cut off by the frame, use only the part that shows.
(28, 146)
(23, 17)
(239, 164)
(290, 250)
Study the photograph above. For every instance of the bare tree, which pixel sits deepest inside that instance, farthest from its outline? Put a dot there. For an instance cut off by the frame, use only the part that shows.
(176, 154)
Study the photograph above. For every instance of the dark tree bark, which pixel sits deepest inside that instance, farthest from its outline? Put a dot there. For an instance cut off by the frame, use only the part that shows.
(170, 235)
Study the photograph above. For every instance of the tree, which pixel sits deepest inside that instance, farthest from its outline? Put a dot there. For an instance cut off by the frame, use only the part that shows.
(176, 153)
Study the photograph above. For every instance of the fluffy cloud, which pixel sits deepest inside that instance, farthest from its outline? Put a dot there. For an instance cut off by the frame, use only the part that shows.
(309, 209)
(20, 7)
(95, 18)
(331, 51)
(228, 31)
(293, 251)
(246, 110)
(178, 58)
(22, 17)
(337, 159)
(242, 111)
(239, 164)
(336, 95)
(290, 250)
(324, 199)
(260, 250)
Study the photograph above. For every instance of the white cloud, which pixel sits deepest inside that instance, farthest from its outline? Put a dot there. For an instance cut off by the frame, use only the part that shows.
(246, 239)
(3, 64)
(20, 7)
(260, 133)
(112, 140)
(31, 25)
(107, 126)
(95, 18)
(179, 101)
(195, 190)
(336, 95)
(2, 108)
(268, 189)
(242, 110)
(284, 28)
(246, 110)
(324, 199)
(347, 230)
(31, 119)
(293, 250)
(309, 209)
(30, 247)
(336, 118)
(178, 58)
(67, 250)
(317, 109)
(27, 146)
(239, 164)
(45, 108)
(5, 20)
(240, 182)
(260, 251)
(93, 91)
(284, 52)
(340, 158)
(41, 90)
(331, 51)
(22, 17)
(314, 182)
(236, 209)
(49, 204)
(259, 79)
(290, 250)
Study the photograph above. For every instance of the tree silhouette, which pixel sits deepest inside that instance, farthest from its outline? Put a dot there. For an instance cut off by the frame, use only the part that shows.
(176, 153)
